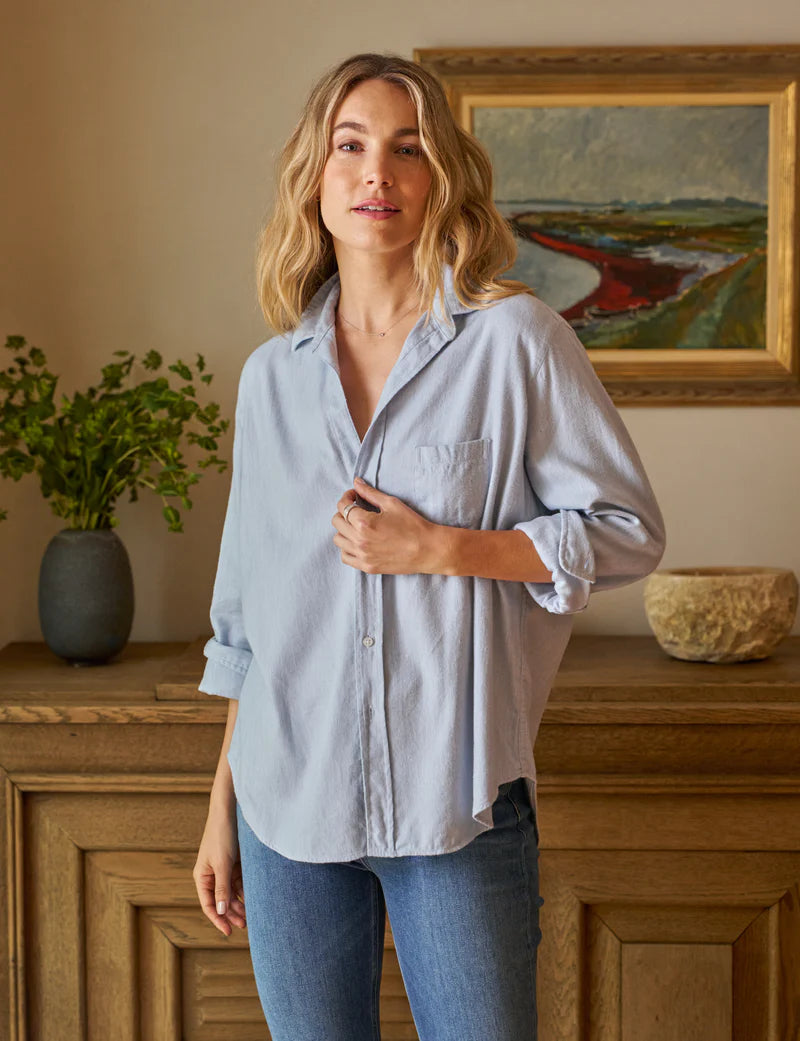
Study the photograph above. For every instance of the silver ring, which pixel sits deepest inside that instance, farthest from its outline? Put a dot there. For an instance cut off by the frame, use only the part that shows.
(347, 509)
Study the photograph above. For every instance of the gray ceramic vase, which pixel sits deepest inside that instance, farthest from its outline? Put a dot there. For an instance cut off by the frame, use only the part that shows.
(86, 595)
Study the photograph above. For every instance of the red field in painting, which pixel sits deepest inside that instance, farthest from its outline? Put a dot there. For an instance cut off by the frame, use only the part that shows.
(626, 282)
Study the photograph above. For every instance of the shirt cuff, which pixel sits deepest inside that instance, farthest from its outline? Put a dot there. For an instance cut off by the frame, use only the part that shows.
(225, 669)
(561, 541)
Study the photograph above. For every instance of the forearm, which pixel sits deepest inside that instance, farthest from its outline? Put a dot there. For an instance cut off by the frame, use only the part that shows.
(508, 555)
(222, 794)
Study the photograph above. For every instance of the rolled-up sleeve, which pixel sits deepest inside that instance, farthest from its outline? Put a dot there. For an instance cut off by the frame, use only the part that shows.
(601, 526)
(228, 652)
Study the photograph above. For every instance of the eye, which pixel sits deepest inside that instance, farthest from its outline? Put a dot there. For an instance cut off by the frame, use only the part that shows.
(412, 149)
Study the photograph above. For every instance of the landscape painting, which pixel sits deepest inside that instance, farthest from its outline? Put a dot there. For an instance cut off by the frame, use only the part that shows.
(644, 225)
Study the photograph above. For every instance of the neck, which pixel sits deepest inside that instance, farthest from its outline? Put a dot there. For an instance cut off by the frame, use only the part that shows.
(376, 290)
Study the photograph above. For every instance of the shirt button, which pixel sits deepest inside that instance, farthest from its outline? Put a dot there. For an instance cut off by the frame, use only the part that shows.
(368, 641)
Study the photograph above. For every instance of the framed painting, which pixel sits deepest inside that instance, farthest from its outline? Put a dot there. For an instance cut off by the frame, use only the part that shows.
(653, 193)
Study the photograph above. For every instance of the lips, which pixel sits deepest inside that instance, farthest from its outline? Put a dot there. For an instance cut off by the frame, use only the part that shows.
(377, 202)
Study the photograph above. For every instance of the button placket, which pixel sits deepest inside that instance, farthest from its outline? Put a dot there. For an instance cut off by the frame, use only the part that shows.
(368, 670)
(368, 666)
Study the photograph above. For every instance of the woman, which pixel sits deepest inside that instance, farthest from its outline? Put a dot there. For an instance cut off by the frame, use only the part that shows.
(387, 679)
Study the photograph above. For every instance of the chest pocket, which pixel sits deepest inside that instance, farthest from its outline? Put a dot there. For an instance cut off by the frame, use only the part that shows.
(451, 481)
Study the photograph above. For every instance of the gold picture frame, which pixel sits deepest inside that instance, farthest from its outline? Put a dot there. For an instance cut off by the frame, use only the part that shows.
(758, 300)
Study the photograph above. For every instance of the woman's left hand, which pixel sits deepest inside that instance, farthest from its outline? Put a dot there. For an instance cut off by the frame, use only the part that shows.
(396, 541)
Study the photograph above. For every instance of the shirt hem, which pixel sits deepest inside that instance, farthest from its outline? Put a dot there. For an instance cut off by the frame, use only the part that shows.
(341, 858)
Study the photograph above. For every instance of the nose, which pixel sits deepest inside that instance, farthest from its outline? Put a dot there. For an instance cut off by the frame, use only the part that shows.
(378, 177)
(379, 171)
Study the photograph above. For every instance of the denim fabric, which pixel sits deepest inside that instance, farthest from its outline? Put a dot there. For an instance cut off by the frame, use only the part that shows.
(360, 694)
(465, 928)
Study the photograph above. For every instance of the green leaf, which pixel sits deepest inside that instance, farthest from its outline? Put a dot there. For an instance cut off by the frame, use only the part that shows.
(90, 448)
(182, 370)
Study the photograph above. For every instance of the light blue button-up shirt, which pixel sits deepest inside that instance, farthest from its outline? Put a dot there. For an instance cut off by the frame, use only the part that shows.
(378, 714)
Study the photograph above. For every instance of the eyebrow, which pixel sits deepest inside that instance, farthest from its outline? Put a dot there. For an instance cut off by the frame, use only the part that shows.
(361, 129)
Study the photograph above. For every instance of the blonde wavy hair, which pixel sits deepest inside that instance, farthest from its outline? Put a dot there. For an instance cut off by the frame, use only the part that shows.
(461, 224)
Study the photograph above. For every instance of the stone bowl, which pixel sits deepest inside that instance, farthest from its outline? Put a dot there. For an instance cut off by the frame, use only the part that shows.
(721, 614)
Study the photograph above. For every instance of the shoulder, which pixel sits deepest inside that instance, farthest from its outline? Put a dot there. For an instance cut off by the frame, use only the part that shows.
(263, 360)
(528, 315)
(526, 325)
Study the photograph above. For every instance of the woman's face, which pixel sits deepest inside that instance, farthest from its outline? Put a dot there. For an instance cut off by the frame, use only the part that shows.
(377, 156)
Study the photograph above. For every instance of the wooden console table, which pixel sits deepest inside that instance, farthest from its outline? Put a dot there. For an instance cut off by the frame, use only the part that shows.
(669, 815)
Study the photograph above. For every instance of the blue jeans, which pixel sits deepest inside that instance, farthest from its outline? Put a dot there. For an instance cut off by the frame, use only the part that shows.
(465, 927)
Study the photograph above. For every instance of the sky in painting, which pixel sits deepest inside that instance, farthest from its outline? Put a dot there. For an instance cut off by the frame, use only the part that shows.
(641, 153)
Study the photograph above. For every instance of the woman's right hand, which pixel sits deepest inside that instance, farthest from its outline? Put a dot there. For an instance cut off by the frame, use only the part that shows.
(218, 871)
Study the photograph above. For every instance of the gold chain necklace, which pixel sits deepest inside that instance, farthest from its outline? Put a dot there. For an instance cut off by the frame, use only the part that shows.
(402, 316)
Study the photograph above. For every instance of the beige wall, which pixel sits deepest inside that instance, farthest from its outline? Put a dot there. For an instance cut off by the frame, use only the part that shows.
(139, 140)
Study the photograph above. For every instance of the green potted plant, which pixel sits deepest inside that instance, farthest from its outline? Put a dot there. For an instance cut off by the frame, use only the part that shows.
(102, 443)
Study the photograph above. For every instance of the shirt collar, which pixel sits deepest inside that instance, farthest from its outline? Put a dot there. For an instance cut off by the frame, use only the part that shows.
(320, 311)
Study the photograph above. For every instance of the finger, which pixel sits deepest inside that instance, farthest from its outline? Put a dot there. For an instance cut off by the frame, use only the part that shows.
(339, 517)
(371, 494)
(236, 912)
(220, 921)
(206, 895)
(239, 920)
